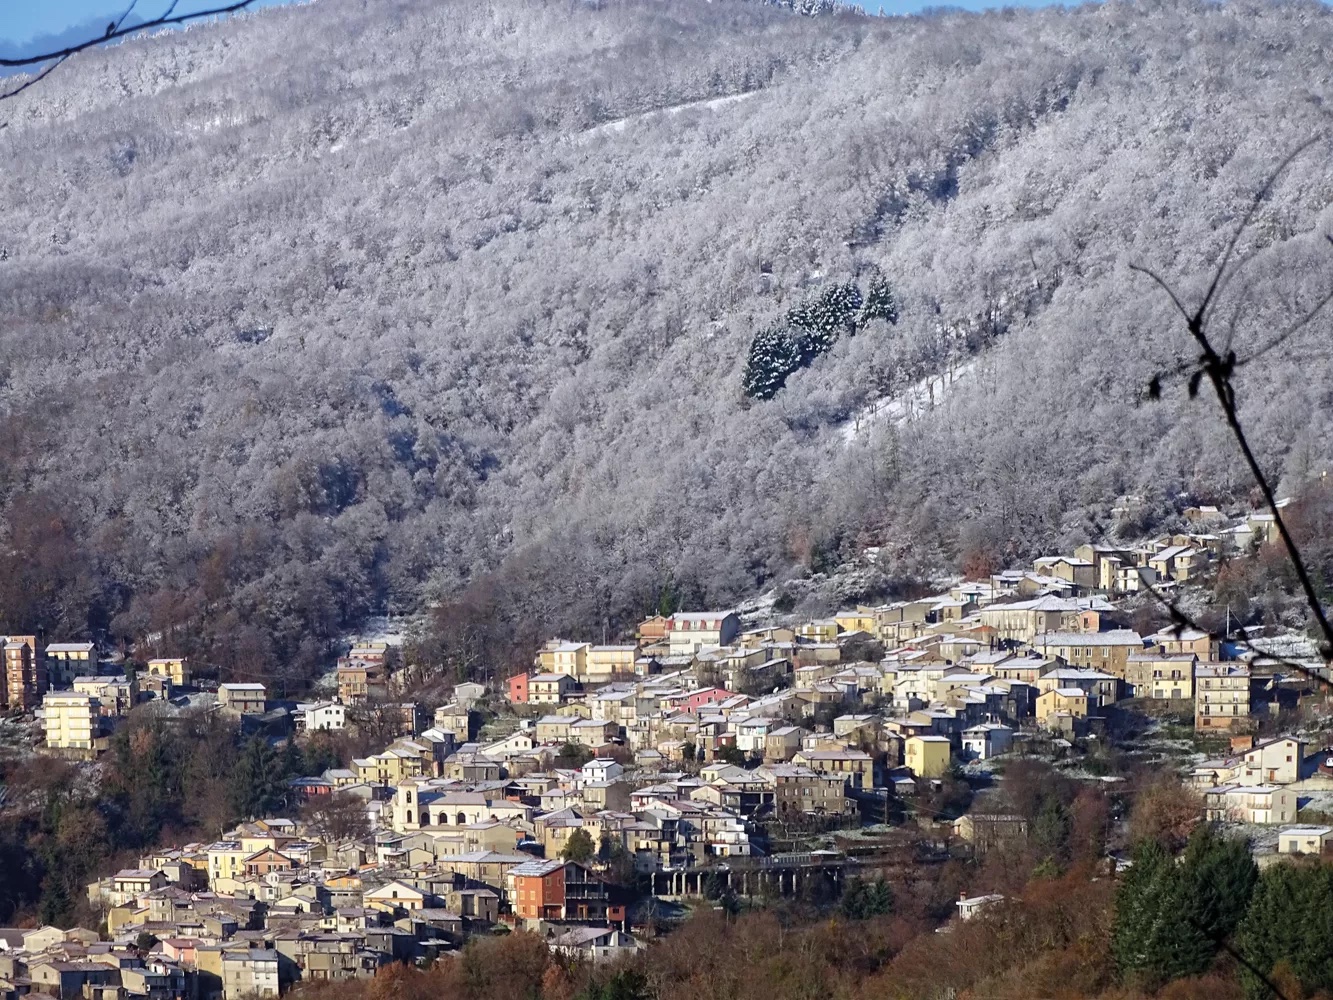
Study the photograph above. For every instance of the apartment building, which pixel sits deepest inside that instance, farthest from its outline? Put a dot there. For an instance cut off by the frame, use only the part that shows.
(691, 631)
(1221, 696)
(242, 699)
(67, 660)
(174, 668)
(72, 721)
(24, 680)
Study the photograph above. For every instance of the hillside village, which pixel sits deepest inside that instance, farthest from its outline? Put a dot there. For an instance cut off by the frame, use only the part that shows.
(710, 757)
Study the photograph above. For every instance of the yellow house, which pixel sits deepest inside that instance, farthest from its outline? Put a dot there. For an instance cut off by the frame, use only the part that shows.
(1062, 701)
(343, 883)
(1221, 696)
(605, 662)
(395, 895)
(388, 768)
(489, 836)
(226, 859)
(568, 658)
(1305, 840)
(927, 756)
(175, 668)
(855, 767)
(823, 630)
(549, 688)
(119, 916)
(67, 660)
(1173, 678)
(254, 842)
(1108, 652)
(860, 620)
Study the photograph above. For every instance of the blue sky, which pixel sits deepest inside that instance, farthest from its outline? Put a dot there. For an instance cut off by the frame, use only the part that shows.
(22, 21)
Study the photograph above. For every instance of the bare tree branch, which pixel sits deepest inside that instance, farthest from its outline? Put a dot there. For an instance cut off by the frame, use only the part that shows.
(116, 29)
(1221, 277)
(1290, 331)
(1182, 620)
(1163, 285)
(1219, 369)
(32, 81)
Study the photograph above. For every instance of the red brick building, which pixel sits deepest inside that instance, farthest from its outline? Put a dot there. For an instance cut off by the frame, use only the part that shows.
(563, 890)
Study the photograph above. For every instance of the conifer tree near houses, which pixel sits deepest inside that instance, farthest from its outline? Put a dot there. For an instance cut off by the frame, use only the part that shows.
(1171, 917)
(1149, 883)
(1286, 930)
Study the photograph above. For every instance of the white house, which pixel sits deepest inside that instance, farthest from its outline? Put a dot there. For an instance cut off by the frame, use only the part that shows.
(468, 694)
(1305, 840)
(689, 631)
(987, 740)
(970, 906)
(317, 715)
(1250, 804)
(602, 769)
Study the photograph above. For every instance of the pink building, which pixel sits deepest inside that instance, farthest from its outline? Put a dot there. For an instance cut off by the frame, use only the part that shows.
(696, 700)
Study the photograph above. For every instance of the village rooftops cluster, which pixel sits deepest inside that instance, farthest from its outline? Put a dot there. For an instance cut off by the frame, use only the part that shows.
(669, 757)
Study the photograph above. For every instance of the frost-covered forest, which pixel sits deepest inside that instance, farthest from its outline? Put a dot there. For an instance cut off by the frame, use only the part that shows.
(361, 303)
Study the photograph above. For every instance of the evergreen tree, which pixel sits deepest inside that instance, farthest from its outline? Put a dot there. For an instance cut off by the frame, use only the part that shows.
(579, 847)
(1050, 829)
(319, 754)
(257, 785)
(837, 308)
(56, 903)
(1287, 928)
(1219, 878)
(817, 325)
(863, 899)
(668, 601)
(1171, 918)
(879, 302)
(1136, 933)
(292, 761)
(627, 984)
(772, 358)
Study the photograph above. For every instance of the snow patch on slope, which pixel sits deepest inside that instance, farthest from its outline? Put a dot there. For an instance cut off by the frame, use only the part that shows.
(912, 403)
(707, 104)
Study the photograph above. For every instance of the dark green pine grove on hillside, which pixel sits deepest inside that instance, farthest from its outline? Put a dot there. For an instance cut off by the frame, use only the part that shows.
(811, 329)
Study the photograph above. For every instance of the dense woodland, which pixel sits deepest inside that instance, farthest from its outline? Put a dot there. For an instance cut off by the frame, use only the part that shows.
(452, 302)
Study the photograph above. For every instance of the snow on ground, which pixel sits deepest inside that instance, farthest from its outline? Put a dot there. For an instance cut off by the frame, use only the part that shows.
(1315, 801)
(1289, 645)
(1262, 838)
(620, 124)
(17, 738)
(758, 608)
(390, 631)
(915, 401)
